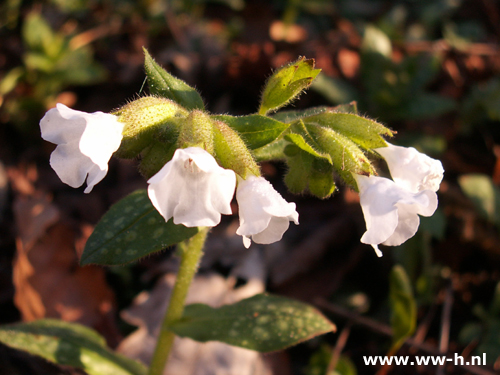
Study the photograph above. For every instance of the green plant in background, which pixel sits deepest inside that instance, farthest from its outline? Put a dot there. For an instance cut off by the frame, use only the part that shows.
(195, 162)
(485, 333)
(52, 61)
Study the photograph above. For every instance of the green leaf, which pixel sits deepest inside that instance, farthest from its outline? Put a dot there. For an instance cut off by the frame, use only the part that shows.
(130, 230)
(164, 84)
(287, 83)
(484, 194)
(37, 33)
(69, 344)
(403, 308)
(376, 41)
(256, 130)
(264, 323)
(365, 132)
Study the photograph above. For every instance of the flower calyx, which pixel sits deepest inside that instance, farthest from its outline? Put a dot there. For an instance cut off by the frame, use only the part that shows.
(145, 120)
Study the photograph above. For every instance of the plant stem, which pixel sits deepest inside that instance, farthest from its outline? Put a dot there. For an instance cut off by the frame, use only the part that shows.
(191, 251)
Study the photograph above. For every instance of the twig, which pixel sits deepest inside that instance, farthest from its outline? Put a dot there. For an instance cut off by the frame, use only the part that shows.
(444, 336)
(339, 347)
(386, 330)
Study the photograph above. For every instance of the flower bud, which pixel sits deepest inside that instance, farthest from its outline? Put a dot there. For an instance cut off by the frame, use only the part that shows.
(144, 119)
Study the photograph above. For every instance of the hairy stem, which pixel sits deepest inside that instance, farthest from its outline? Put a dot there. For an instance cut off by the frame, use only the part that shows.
(191, 251)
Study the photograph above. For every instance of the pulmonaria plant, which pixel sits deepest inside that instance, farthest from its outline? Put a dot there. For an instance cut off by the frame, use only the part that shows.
(196, 162)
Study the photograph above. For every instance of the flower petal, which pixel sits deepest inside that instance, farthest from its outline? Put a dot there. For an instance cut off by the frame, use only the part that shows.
(264, 214)
(85, 143)
(412, 169)
(193, 189)
(390, 211)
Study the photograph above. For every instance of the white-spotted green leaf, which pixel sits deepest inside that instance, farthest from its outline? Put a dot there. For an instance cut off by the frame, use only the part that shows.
(403, 307)
(264, 323)
(69, 344)
(287, 83)
(256, 130)
(130, 230)
(162, 83)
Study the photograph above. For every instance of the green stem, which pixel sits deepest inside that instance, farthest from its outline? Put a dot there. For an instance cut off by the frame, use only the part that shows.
(191, 251)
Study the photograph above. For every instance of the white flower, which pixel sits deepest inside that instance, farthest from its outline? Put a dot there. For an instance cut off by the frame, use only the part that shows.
(192, 189)
(85, 143)
(264, 214)
(412, 169)
(391, 211)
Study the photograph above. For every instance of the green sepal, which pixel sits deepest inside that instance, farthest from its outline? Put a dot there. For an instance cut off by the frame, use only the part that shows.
(197, 131)
(299, 169)
(308, 172)
(290, 116)
(156, 155)
(264, 323)
(346, 156)
(161, 83)
(145, 120)
(69, 344)
(364, 132)
(300, 141)
(287, 83)
(321, 182)
(231, 152)
(130, 230)
(403, 307)
(272, 151)
(256, 130)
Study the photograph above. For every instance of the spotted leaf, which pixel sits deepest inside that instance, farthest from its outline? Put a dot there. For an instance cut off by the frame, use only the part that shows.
(130, 230)
(69, 344)
(264, 323)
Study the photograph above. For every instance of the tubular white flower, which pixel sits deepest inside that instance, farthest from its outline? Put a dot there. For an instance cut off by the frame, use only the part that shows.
(193, 189)
(412, 169)
(85, 143)
(390, 211)
(264, 214)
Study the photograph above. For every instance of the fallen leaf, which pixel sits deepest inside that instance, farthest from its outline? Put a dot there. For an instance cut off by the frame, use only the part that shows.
(47, 278)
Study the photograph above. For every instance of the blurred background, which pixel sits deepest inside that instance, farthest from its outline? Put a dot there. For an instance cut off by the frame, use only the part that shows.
(428, 69)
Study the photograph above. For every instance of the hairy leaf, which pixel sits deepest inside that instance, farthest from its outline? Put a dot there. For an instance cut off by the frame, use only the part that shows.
(69, 344)
(164, 84)
(264, 323)
(130, 230)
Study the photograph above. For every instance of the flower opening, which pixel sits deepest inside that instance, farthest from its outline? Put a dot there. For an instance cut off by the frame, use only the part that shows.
(193, 189)
(390, 211)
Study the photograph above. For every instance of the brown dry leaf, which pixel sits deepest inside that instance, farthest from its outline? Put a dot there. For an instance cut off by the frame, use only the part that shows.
(190, 357)
(48, 281)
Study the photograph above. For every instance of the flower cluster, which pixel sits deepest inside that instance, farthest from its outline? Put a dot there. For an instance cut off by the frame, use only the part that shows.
(391, 207)
(191, 188)
(194, 190)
